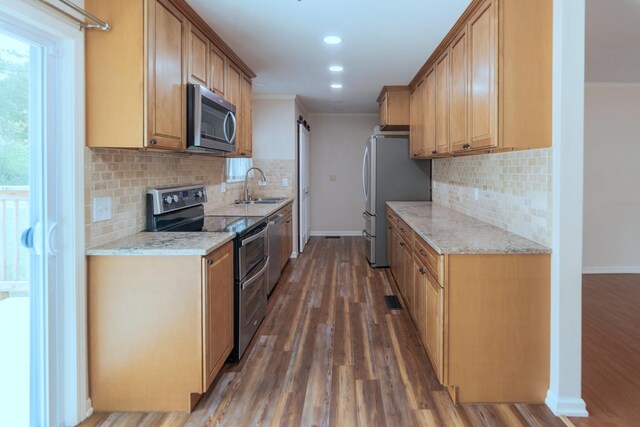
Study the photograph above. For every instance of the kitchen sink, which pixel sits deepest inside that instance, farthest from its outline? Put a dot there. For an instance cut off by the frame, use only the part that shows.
(261, 201)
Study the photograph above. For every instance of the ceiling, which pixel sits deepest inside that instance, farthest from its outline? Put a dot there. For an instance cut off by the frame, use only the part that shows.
(612, 41)
(384, 42)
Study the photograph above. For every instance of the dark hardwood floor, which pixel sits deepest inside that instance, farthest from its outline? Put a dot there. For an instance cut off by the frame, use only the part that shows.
(330, 353)
(611, 350)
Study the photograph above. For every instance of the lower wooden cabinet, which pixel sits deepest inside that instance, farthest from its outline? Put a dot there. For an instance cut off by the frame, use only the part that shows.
(286, 231)
(482, 318)
(160, 329)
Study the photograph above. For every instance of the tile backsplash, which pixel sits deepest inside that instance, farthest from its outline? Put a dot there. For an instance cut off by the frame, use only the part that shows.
(509, 190)
(125, 176)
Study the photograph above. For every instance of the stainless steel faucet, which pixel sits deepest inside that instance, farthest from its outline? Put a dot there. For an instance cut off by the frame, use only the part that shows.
(246, 176)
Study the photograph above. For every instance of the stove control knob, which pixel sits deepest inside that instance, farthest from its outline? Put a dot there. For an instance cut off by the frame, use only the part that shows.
(167, 199)
(199, 194)
(175, 198)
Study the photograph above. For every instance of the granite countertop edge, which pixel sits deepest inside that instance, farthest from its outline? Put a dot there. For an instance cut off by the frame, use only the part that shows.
(467, 225)
(163, 244)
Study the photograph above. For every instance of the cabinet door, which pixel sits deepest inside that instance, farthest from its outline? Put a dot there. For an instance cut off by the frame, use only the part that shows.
(218, 71)
(417, 121)
(234, 96)
(430, 112)
(167, 77)
(399, 275)
(390, 246)
(407, 266)
(483, 99)
(459, 90)
(420, 298)
(218, 311)
(198, 57)
(287, 240)
(383, 110)
(442, 102)
(435, 325)
(246, 118)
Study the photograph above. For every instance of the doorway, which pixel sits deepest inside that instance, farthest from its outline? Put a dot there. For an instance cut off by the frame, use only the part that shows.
(304, 185)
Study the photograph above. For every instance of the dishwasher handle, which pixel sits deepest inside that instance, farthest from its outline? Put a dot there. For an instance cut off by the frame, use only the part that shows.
(273, 220)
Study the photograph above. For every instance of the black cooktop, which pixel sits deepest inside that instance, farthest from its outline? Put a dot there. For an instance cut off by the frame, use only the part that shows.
(233, 224)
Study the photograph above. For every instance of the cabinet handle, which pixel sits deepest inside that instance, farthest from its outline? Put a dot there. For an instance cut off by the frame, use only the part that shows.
(422, 270)
(209, 262)
(154, 141)
(466, 146)
(434, 152)
(423, 253)
(401, 243)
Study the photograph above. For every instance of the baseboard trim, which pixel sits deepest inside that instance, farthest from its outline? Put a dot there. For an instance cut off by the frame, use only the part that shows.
(567, 406)
(88, 408)
(611, 270)
(335, 233)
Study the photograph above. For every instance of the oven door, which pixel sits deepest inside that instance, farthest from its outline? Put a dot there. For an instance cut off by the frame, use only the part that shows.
(253, 248)
(211, 121)
(252, 304)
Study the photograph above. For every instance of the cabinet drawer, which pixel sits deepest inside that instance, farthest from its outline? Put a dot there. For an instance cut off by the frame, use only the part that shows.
(406, 231)
(392, 220)
(432, 259)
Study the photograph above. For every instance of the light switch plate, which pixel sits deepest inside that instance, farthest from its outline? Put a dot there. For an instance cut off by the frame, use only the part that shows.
(223, 187)
(476, 193)
(285, 182)
(101, 209)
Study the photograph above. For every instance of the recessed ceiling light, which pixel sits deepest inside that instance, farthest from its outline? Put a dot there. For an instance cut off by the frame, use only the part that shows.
(332, 40)
(336, 68)
(336, 86)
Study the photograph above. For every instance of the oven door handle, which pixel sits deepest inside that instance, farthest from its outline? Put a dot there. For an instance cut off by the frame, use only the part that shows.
(254, 237)
(257, 275)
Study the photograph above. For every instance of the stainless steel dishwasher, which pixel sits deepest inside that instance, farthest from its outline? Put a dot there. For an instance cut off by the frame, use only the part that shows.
(275, 243)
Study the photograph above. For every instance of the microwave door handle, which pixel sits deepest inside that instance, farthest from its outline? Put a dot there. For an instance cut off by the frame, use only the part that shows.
(224, 126)
(257, 275)
(235, 126)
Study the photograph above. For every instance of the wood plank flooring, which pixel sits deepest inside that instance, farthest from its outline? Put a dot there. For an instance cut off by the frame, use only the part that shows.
(330, 353)
(611, 350)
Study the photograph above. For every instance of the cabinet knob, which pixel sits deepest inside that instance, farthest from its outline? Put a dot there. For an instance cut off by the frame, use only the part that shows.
(434, 152)
(154, 141)
(423, 253)
(209, 262)
(401, 243)
(466, 146)
(422, 270)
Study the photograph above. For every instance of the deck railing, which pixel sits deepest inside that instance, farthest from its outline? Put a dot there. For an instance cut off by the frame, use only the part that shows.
(14, 218)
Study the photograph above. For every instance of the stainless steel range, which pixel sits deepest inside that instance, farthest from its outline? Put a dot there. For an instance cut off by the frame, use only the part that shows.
(182, 209)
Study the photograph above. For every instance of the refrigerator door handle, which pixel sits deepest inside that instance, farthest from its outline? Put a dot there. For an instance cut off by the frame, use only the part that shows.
(366, 215)
(364, 163)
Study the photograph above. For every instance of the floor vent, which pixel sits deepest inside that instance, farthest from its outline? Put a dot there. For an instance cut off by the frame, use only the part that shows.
(393, 303)
(331, 237)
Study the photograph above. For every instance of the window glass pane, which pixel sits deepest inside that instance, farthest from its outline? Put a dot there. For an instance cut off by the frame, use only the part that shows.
(237, 169)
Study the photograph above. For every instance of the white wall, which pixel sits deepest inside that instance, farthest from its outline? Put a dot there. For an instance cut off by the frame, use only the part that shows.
(611, 177)
(337, 146)
(274, 134)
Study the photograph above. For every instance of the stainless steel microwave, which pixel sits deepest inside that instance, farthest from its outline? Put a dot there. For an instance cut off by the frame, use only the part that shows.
(211, 121)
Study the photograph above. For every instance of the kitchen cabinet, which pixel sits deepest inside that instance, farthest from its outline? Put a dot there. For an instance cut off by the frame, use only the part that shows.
(218, 311)
(442, 103)
(159, 328)
(482, 319)
(417, 118)
(287, 235)
(137, 98)
(198, 57)
(218, 71)
(393, 107)
(239, 93)
(459, 89)
(498, 84)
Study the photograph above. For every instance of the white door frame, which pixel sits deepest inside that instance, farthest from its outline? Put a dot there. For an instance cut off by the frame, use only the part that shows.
(303, 198)
(67, 336)
(564, 395)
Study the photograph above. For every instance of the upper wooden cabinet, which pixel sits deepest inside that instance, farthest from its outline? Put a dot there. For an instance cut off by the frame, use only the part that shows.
(239, 92)
(394, 108)
(137, 98)
(218, 71)
(198, 57)
(498, 57)
(417, 119)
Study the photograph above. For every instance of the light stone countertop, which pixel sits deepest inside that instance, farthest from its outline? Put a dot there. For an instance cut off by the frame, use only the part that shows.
(159, 243)
(452, 232)
(261, 210)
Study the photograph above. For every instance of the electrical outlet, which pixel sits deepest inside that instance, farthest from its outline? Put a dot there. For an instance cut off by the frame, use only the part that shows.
(101, 209)
(476, 193)
(223, 187)
(262, 183)
(285, 182)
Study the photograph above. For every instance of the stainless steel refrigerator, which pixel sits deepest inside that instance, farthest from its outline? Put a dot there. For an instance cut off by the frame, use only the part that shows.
(389, 174)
